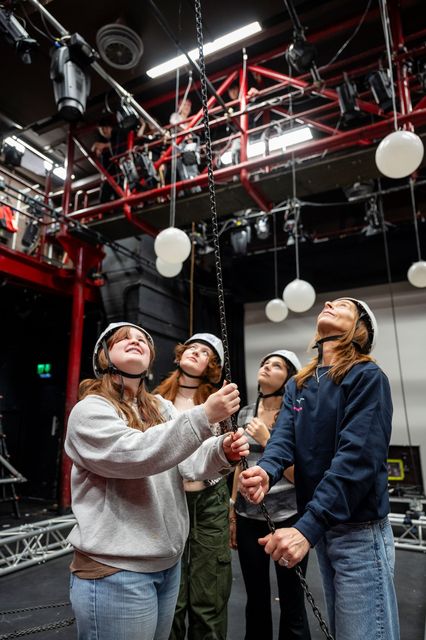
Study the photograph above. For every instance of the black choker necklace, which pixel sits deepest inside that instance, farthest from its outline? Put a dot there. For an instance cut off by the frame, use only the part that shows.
(185, 386)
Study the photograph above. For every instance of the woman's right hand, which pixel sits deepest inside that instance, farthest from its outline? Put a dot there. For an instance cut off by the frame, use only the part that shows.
(232, 529)
(223, 403)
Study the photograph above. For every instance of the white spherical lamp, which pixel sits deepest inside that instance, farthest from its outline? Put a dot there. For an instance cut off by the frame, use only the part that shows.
(172, 245)
(417, 274)
(299, 295)
(167, 269)
(276, 310)
(399, 154)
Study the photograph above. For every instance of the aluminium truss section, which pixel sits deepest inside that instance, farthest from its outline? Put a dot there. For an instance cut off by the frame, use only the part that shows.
(34, 543)
(409, 532)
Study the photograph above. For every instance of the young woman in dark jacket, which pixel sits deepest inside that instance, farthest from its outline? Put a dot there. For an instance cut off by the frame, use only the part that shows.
(335, 427)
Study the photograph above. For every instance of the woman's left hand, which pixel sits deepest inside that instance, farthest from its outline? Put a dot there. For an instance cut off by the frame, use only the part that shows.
(286, 546)
(259, 431)
(235, 446)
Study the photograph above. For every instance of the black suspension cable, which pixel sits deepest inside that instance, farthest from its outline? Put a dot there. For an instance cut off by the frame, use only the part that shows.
(220, 292)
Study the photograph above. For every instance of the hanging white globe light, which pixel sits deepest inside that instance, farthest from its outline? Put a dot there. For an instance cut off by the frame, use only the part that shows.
(299, 295)
(276, 310)
(399, 154)
(172, 245)
(417, 274)
(168, 269)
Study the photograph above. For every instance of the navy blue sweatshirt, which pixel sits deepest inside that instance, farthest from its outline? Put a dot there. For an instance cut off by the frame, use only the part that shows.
(337, 436)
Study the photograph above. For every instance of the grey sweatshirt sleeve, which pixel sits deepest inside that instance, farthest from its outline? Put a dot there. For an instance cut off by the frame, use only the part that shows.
(99, 440)
(208, 462)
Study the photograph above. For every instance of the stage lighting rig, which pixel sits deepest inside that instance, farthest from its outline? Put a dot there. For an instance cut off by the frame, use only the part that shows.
(15, 34)
(347, 93)
(381, 88)
(71, 81)
(301, 54)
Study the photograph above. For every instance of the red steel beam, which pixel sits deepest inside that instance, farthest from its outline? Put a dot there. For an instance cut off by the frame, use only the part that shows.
(196, 118)
(27, 269)
(340, 141)
(297, 82)
(253, 192)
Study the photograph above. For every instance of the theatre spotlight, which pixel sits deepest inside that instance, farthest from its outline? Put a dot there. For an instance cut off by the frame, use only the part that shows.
(421, 74)
(380, 85)
(16, 35)
(262, 227)
(71, 82)
(240, 237)
(347, 94)
(301, 54)
(127, 118)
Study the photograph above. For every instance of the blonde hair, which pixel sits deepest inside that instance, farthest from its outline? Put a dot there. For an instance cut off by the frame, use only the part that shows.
(147, 404)
(169, 387)
(346, 354)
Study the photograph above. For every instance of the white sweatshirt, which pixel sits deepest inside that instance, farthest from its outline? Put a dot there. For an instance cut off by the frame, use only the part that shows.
(127, 489)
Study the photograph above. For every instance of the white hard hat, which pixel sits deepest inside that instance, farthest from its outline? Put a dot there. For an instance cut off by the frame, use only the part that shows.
(369, 318)
(210, 340)
(287, 355)
(112, 328)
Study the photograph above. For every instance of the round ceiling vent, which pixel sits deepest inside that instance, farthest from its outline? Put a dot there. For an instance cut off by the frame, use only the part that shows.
(119, 46)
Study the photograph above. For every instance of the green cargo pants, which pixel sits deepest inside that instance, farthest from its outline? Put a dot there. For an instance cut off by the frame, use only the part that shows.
(206, 567)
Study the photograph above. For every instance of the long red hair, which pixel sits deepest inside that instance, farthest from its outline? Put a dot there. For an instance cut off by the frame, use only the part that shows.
(169, 387)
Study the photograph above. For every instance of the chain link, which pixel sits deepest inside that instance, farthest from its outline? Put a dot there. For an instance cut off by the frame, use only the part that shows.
(43, 627)
(219, 278)
(52, 605)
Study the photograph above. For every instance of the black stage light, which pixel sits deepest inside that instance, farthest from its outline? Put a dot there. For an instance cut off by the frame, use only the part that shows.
(240, 237)
(127, 118)
(262, 227)
(381, 88)
(71, 82)
(16, 35)
(12, 156)
(347, 94)
(301, 54)
(421, 74)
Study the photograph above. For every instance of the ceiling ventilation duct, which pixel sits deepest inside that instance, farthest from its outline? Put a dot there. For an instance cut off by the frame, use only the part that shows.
(119, 46)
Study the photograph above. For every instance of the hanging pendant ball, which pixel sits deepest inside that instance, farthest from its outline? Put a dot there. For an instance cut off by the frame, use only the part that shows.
(299, 295)
(399, 154)
(276, 310)
(417, 274)
(167, 269)
(172, 245)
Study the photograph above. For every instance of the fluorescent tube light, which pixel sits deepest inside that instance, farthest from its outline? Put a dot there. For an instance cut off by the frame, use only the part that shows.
(277, 143)
(209, 48)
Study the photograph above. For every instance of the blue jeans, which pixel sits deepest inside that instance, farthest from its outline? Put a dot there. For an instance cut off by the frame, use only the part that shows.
(357, 565)
(126, 605)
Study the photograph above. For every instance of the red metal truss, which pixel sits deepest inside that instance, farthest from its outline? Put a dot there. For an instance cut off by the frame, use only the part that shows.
(323, 117)
(28, 270)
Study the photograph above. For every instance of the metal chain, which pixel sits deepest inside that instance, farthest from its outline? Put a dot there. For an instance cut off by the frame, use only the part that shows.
(52, 605)
(43, 627)
(212, 197)
(219, 278)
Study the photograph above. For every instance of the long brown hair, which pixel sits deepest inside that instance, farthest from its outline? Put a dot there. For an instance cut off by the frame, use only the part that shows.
(346, 354)
(147, 404)
(169, 387)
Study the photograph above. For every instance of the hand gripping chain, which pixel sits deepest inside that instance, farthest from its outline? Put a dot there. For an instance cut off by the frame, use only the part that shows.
(220, 292)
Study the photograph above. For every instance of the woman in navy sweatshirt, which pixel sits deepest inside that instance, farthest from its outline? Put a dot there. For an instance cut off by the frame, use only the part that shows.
(335, 427)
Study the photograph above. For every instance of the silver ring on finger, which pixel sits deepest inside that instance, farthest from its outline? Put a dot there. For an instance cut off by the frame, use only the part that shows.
(283, 562)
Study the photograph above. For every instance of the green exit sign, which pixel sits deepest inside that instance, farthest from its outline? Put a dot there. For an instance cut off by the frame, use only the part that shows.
(44, 370)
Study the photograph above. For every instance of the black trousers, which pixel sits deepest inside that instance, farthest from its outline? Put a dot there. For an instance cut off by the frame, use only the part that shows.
(255, 569)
